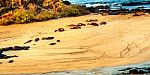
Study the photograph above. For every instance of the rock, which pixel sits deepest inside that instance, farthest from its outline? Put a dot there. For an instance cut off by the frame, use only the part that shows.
(103, 23)
(58, 40)
(26, 47)
(141, 72)
(71, 25)
(1, 63)
(81, 24)
(29, 41)
(136, 14)
(37, 39)
(48, 38)
(77, 27)
(94, 24)
(92, 20)
(55, 30)
(61, 29)
(2, 56)
(52, 44)
(7, 48)
(6, 57)
(11, 61)
(133, 71)
(21, 47)
(34, 44)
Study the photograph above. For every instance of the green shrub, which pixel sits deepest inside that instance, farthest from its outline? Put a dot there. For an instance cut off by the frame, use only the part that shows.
(24, 17)
(43, 15)
(81, 9)
(73, 10)
(70, 12)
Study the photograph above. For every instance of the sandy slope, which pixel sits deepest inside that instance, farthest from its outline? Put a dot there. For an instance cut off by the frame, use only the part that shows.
(124, 40)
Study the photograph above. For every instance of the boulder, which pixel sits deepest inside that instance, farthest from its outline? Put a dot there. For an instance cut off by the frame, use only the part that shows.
(133, 71)
(141, 72)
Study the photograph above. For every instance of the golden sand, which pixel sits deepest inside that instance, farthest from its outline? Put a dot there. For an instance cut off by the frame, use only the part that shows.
(123, 40)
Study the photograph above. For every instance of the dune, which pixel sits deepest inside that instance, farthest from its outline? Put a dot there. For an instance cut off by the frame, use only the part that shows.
(123, 40)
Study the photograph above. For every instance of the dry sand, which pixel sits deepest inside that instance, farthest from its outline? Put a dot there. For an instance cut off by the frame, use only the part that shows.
(124, 40)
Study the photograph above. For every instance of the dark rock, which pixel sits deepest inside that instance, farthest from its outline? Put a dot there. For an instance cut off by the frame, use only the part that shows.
(136, 14)
(55, 30)
(34, 44)
(94, 24)
(134, 71)
(52, 44)
(81, 24)
(141, 72)
(77, 27)
(2, 56)
(7, 48)
(58, 40)
(1, 63)
(26, 47)
(6, 57)
(37, 39)
(29, 41)
(61, 29)
(71, 25)
(47, 38)
(103, 23)
(18, 48)
(11, 61)
(21, 47)
(92, 20)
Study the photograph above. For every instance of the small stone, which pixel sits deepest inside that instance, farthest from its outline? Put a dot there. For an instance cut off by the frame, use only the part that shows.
(94, 24)
(55, 30)
(47, 38)
(11, 61)
(61, 29)
(37, 39)
(29, 41)
(52, 44)
(103, 23)
(58, 40)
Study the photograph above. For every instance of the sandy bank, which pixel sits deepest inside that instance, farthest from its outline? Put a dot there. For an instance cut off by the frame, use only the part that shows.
(124, 40)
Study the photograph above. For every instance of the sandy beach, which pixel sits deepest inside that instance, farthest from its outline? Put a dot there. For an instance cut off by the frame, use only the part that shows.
(123, 40)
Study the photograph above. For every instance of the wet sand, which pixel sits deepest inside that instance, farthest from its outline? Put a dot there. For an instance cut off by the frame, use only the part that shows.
(123, 40)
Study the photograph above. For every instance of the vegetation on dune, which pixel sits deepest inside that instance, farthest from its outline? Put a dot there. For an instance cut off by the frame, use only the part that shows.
(26, 11)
